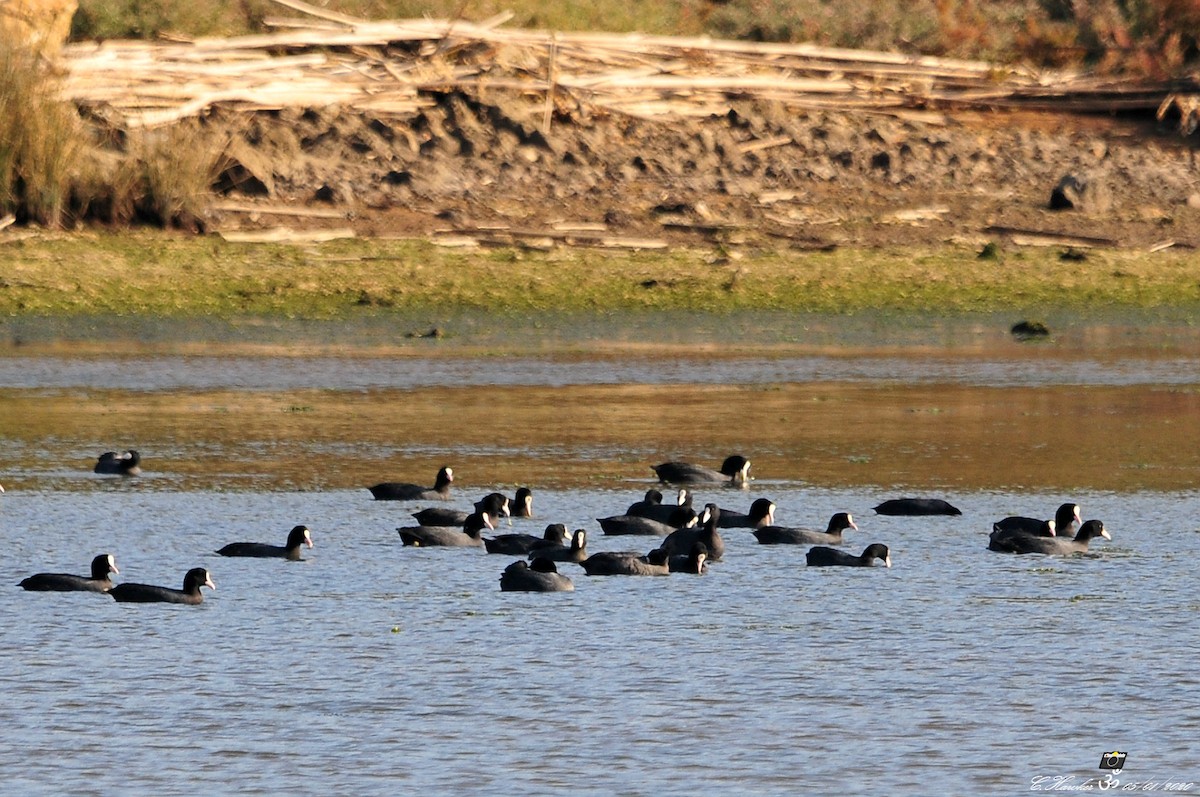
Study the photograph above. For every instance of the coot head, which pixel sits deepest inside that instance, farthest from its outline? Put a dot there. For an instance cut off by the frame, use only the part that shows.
(102, 565)
(878, 550)
(736, 467)
(1091, 529)
(299, 535)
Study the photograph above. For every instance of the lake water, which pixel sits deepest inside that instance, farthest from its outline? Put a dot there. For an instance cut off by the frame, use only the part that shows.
(371, 668)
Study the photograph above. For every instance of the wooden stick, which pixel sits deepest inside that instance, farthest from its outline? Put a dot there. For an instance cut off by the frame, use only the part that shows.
(320, 13)
(285, 235)
(551, 76)
(279, 210)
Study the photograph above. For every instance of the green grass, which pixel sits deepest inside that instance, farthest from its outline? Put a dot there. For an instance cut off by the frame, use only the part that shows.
(158, 274)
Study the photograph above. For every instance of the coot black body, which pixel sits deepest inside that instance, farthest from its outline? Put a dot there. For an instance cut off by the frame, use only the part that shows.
(644, 526)
(681, 541)
(575, 552)
(403, 491)
(495, 504)
(821, 556)
(195, 578)
(915, 507)
(734, 470)
(297, 538)
(784, 535)
(99, 581)
(694, 562)
(111, 463)
(609, 563)
(1016, 542)
(522, 544)
(1065, 524)
(539, 576)
(469, 536)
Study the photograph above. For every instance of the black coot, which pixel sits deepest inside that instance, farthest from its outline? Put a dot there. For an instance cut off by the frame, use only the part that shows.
(539, 576)
(444, 536)
(681, 541)
(916, 507)
(1065, 523)
(495, 504)
(195, 578)
(783, 535)
(99, 581)
(403, 491)
(610, 563)
(1016, 542)
(522, 544)
(694, 562)
(111, 463)
(575, 552)
(822, 556)
(297, 538)
(734, 470)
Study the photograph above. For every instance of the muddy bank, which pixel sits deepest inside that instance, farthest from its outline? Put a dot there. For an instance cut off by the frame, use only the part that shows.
(761, 174)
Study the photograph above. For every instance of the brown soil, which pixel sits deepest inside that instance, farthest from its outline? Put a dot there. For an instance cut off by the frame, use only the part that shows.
(761, 173)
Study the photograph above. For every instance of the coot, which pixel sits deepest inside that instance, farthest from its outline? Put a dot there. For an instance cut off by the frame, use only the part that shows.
(575, 552)
(195, 578)
(821, 556)
(734, 470)
(783, 535)
(522, 503)
(762, 513)
(681, 517)
(681, 540)
(495, 504)
(916, 507)
(403, 491)
(694, 561)
(111, 463)
(521, 544)
(1066, 522)
(99, 581)
(610, 563)
(539, 576)
(444, 536)
(297, 538)
(1008, 542)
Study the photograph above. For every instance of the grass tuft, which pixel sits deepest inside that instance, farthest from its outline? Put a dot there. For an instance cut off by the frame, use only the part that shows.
(40, 138)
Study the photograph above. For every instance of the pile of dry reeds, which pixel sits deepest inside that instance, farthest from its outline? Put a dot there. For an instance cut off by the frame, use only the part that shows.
(390, 68)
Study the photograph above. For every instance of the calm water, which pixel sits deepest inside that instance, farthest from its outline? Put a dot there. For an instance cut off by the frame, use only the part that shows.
(376, 669)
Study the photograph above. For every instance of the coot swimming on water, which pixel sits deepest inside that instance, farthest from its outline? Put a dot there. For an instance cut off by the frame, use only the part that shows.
(102, 566)
(195, 578)
(297, 538)
(822, 556)
(403, 491)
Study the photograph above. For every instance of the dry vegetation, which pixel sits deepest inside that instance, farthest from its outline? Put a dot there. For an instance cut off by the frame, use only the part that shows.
(1147, 37)
(40, 139)
(56, 171)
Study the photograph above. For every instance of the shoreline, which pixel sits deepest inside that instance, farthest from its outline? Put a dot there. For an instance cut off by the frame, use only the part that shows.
(147, 292)
(1155, 334)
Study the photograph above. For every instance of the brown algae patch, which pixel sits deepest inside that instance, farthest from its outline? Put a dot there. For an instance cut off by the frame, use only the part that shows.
(943, 436)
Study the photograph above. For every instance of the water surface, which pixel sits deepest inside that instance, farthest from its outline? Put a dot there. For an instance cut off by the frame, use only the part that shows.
(375, 669)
